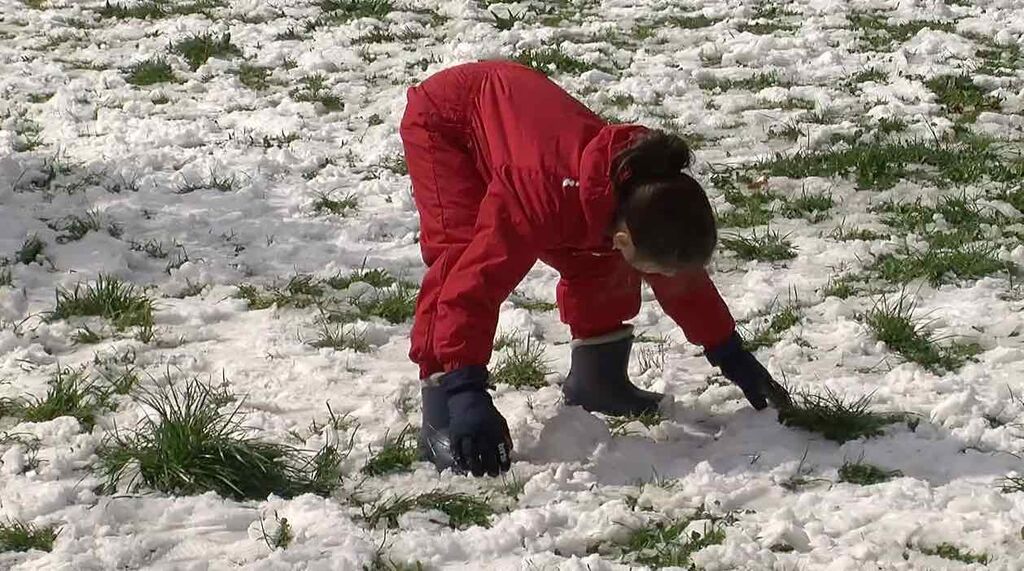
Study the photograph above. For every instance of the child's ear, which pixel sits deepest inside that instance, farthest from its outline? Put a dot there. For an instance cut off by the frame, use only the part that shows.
(622, 241)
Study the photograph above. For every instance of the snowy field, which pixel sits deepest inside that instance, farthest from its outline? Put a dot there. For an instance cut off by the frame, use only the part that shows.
(233, 173)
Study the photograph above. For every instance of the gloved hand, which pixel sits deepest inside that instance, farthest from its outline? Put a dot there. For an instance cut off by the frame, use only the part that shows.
(743, 369)
(480, 441)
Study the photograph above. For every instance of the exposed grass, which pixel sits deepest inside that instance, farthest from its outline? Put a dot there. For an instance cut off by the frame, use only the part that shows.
(187, 445)
(531, 304)
(835, 418)
(523, 365)
(783, 320)
(324, 201)
(843, 233)
(755, 82)
(149, 72)
(154, 10)
(281, 537)
(959, 95)
(865, 474)
(254, 77)
(301, 291)
(342, 11)
(31, 250)
(1012, 484)
(70, 393)
(954, 553)
(940, 265)
(768, 246)
(552, 60)
(198, 48)
(671, 542)
(843, 286)
(397, 454)
(315, 90)
(881, 34)
(880, 165)
(339, 337)
(74, 227)
(18, 536)
(376, 277)
(507, 19)
(812, 206)
(893, 323)
(619, 425)
(750, 208)
(463, 510)
(395, 304)
(122, 304)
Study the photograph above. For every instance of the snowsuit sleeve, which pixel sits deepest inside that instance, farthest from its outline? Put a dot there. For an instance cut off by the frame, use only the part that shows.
(693, 302)
(503, 250)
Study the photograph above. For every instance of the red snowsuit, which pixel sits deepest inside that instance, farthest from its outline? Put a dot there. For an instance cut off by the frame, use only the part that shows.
(507, 169)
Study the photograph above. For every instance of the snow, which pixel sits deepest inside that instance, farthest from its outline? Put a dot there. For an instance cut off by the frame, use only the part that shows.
(712, 450)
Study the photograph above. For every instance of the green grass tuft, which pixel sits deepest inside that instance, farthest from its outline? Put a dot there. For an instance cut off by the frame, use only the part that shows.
(31, 250)
(463, 510)
(813, 207)
(523, 364)
(766, 247)
(783, 320)
(671, 543)
(74, 227)
(619, 425)
(315, 90)
(19, 536)
(198, 48)
(880, 165)
(531, 304)
(187, 445)
(881, 34)
(894, 324)
(396, 455)
(149, 72)
(323, 201)
(865, 474)
(941, 265)
(836, 419)
(339, 337)
(954, 553)
(755, 82)
(959, 95)
(342, 11)
(121, 303)
(254, 77)
(301, 291)
(377, 277)
(70, 394)
(552, 60)
(395, 304)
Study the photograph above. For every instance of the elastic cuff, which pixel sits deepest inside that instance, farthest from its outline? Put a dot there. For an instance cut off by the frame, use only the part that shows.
(472, 378)
(618, 335)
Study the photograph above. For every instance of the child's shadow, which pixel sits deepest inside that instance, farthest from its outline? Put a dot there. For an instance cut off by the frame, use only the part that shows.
(746, 441)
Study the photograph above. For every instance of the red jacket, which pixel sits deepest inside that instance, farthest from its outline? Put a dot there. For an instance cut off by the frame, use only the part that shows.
(545, 159)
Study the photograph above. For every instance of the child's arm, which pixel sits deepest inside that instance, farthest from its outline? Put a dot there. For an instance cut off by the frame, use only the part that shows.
(695, 305)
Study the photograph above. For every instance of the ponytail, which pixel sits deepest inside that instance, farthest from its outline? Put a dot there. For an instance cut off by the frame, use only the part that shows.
(666, 211)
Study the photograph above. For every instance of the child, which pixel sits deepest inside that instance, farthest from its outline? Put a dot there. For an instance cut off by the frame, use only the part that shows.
(508, 169)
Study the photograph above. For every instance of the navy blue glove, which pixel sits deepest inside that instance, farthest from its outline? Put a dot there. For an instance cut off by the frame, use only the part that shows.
(480, 441)
(743, 369)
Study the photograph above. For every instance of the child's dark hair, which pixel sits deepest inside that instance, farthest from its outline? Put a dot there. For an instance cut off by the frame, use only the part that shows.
(666, 211)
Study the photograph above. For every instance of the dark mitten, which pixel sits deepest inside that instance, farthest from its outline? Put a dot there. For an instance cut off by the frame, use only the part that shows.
(480, 441)
(746, 372)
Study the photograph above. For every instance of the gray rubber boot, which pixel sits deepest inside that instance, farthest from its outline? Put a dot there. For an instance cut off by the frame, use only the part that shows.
(598, 379)
(434, 444)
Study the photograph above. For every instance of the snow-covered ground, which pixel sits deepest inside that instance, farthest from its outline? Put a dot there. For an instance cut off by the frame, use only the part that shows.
(146, 159)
